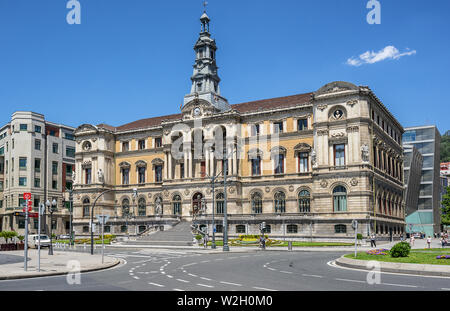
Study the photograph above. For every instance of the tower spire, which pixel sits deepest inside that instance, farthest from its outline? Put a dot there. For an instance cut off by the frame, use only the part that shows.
(205, 79)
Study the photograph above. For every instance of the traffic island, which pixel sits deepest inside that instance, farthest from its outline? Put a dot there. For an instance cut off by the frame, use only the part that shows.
(60, 263)
(419, 262)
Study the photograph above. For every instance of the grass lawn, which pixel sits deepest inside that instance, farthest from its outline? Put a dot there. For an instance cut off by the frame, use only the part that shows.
(87, 242)
(423, 256)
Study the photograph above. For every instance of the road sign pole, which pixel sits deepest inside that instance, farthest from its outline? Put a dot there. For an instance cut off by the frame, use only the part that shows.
(355, 226)
(39, 236)
(103, 239)
(25, 265)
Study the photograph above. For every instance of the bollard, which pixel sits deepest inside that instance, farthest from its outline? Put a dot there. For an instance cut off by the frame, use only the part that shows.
(84, 246)
(289, 245)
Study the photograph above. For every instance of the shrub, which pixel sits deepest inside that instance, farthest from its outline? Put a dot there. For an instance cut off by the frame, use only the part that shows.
(401, 249)
(198, 237)
(8, 235)
(359, 236)
(21, 238)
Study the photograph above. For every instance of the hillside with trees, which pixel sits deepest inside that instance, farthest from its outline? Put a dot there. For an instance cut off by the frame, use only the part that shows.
(445, 147)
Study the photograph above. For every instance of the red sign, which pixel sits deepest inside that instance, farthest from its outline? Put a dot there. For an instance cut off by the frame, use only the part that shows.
(33, 215)
(27, 196)
(30, 208)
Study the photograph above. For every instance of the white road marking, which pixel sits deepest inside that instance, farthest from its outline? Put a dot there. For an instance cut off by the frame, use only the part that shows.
(313, 276)
(443, 288)
(272, 269)
(192, 275)
(136, 277)
(169, 276)
(155, 284)
(209, 286)
(184, 281)
(178, 290)
(268, 289)
(228, 283)
(286, 272)
(400, 285)
(206, 279)
(355, 281)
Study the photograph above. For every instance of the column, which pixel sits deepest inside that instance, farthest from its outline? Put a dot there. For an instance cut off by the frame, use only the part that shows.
(230, 165)
(169, 155)
(207, 162)
(211, 166)
(235, 172)
(165, 165)
(190, 163)
(185, 164)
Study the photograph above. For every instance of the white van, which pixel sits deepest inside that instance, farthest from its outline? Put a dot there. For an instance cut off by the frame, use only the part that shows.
(33, 241)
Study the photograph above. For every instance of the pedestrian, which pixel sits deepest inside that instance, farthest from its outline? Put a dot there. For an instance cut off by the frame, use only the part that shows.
(263, 243)
(443, 242)
(412, 240)
(205, 241)
(429, 242)
(373, 241)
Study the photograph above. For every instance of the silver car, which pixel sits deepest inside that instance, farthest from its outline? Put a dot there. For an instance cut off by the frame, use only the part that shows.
(33, 241)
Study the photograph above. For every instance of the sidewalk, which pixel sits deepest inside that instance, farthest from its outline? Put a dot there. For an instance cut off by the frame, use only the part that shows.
(56, 264)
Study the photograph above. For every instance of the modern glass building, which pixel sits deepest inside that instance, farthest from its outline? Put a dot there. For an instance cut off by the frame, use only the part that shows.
(426, 217)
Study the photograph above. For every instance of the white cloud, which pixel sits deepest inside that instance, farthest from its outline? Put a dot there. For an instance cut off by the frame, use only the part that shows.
(371, 57)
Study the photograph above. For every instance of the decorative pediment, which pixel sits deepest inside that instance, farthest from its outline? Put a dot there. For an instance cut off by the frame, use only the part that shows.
(86, 129)
(335, 87)
(302, 147)
(254, 153)
(157, 161)
(141, 163)
(278, 150)
(124, 165)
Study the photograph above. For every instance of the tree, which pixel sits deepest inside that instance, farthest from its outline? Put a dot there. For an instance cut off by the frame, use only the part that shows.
(445, 147)
(445, 218)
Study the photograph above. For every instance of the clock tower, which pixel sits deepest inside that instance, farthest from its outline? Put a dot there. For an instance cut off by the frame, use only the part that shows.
(205, 80)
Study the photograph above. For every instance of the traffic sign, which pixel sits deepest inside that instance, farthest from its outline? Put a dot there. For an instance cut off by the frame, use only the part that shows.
(33, 215)
(29, 208)
(27, 196)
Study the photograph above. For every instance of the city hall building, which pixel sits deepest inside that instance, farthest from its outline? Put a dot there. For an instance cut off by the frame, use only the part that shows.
(306, 165)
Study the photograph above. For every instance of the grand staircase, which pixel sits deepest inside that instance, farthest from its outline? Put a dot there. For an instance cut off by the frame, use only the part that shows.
(179, 235)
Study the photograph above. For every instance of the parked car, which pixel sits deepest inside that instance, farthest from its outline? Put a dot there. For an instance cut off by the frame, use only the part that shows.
(33, 241)
(64, 237)
(417, 235)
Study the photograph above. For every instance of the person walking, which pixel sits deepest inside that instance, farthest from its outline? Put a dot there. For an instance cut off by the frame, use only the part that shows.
(373, 241)
(429, 242)
(412, 240)
(205, 241)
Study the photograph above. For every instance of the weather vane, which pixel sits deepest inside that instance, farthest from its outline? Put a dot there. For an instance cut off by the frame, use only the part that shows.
(205, 4)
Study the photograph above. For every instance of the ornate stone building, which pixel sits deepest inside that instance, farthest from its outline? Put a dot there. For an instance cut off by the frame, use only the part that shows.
(306, 164)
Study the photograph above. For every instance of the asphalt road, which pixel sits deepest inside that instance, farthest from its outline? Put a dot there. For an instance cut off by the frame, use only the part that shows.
(179, 270)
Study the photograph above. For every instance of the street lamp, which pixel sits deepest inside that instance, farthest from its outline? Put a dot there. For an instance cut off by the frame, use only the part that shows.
(71, 214)
(51, 208)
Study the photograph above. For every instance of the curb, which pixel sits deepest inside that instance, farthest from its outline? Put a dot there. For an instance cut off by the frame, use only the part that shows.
(401, 268)
(56, 273)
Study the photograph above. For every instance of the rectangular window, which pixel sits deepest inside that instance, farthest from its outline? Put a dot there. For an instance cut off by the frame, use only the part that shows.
(37, 144)
(69, 136)
(125, 176)
(278, 127)
(256, 166)
(69, 185)
(158, 173)
(55, 148)
(339, 155)
(37, 129)
(37, 182)
(22, 181)
(69, 169)
(302, 124)
(141, 144)
(23, 127)
(158, 142)
(2, 151)
(36, 201)
(125, 146)
(181, 170)
(141, 171)
(279, 164)
(22, 202)
(21, 223)
(88, 176)
(303, 162)
(70, 152)
(37, 165)
(23, 164)
(54, 184)
(54, 168)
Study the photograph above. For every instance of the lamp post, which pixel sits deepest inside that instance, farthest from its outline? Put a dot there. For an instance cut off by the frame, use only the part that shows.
(51, 207)
(226, 248)
(71, 239)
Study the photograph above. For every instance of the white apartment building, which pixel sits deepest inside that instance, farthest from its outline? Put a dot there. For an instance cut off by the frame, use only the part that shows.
(36, 156)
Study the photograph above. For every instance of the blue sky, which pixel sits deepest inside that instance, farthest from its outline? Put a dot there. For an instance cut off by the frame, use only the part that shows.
(132, 59)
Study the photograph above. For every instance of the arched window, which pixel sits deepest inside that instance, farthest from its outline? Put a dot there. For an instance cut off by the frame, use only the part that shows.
(176, 204)
(340, 229)
(268, 229)
(125, 207)
(86, 202)
(280, 202)
(257, 203)
(240, 229)
(292, 229)
(340, 199)
(219, 203)
(142, 207)
(304, 201)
